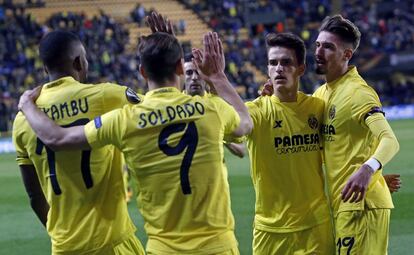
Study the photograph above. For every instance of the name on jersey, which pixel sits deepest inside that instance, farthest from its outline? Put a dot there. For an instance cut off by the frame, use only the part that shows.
(170, 113)
(67, 109)
(297, 143)
(328, 132)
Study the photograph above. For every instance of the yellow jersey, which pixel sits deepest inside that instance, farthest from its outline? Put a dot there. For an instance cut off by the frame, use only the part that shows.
(286, 164)
(348, 142)
(174, 145)
(84, 189)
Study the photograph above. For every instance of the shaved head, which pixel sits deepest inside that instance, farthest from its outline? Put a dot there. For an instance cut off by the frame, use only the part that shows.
(63, 52)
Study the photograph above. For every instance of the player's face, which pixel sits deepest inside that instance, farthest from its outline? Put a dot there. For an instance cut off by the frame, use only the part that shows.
(194, 85)
(283, 69)
(329, 53)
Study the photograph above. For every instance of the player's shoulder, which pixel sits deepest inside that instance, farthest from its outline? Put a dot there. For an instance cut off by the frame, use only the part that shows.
(207, 97)
(19, 116)
(214, 106)
(364, 87)
(212, 100)
(19, 121)
(130, 110)
(259, 102)
(311, 99)
(109, 88)
(20, 126)
(362, 93)
(311, 104)
(259, 107)
(355, 81)
(117, 90)
(320, 90)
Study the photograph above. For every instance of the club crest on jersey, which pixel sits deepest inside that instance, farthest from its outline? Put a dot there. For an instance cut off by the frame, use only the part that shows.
(132, 97)
(313, 122)
(332, 111)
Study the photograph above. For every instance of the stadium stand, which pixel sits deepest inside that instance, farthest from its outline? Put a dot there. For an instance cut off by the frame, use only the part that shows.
(111, 29)
(387, 36)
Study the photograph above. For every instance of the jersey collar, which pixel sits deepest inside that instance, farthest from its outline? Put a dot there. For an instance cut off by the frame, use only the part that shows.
(162, 91)
(299, 99)
(58, 82)
(352, 71)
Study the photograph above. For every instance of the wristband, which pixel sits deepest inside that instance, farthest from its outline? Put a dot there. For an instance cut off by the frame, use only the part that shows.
(373, 163)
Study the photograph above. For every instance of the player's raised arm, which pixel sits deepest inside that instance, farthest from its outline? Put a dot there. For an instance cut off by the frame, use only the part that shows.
(52, 135)
(211, 63)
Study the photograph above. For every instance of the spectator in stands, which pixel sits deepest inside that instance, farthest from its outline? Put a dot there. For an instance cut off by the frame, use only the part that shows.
(182, 26)
(388, 30)
(138, 14)
(3, 116)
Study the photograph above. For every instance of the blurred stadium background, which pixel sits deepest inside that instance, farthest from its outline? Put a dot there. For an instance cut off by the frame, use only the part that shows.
(110, 31)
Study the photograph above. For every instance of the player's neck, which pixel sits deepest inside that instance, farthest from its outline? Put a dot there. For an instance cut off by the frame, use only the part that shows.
(201, 94)
(169, 83)
(287, 93)
(287, 96)
(57, 76)
(336, 74)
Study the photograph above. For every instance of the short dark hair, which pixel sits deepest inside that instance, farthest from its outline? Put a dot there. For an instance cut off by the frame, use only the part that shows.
(55, 47)
(159, 54)
(188, 57)
(343, 28)
(290, 41)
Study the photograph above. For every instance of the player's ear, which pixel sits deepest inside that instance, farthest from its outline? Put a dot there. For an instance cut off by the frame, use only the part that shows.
(302, 69)
(348, 54)
(45, 69)
(179, 67)
(268, 71)
(77, 64)
(142, 72)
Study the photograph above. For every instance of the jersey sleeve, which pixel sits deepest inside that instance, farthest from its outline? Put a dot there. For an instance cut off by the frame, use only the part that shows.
(318, 92)
(106, 129)
(256, 115)
(388, 144)
(229, 117)
(22, 156)
(365, 102)
(254, 112)
(116, 96)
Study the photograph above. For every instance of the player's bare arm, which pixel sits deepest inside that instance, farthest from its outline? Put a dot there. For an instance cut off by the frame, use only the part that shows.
(52, 135)
(211, 63)
(238, 149)
(388, 146)
(34, 191)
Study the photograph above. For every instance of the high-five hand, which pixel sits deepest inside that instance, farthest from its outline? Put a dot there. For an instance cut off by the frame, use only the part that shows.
(211, 61)
(158, 23)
